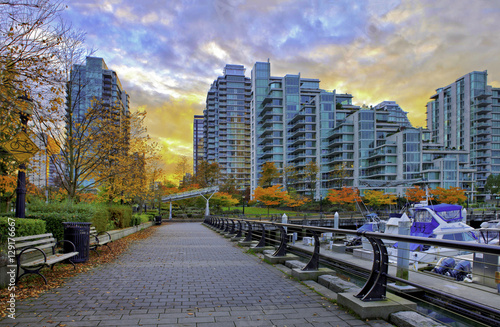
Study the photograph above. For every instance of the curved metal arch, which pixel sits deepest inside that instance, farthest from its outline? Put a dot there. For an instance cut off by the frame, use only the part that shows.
(313, 263)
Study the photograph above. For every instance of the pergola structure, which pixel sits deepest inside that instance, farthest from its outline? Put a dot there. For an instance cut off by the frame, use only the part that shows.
(388, 183)
(192, 194)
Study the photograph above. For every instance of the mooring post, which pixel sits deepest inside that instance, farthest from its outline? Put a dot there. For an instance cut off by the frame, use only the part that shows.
(404, 225)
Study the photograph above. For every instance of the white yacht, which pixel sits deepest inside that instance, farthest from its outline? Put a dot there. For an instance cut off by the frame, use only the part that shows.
(441, 221)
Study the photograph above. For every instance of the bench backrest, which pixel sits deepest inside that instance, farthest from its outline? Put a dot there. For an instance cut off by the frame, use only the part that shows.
(41, 241)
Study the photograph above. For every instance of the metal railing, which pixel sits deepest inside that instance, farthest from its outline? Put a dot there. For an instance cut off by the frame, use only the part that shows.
(375, 287)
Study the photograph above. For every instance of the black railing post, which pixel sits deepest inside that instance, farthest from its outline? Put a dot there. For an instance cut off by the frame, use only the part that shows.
(262, 241)
(239, 233)
(248, 236)
(313, 264)
(281, 252)
(375, 287)
(232, 231)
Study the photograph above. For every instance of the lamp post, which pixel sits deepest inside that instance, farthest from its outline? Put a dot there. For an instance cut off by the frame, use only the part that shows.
(320, 206)
(21, 174)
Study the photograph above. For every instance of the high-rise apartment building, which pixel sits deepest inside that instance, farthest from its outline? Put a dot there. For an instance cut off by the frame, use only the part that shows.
(227, 125)
(294, 123)
(372, 148)
(291, 122)
(465, 117)
(43, 171)
(198, 152)
(94, 81)
(94, 84)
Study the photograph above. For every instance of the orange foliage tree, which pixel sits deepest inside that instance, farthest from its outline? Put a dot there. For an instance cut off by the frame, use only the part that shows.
(8, 184)
(415, 194)
(88, 197)
(271, 196)
(60, 195)
(378, 198)
(452, 195)
(295, 200)
(347, 196)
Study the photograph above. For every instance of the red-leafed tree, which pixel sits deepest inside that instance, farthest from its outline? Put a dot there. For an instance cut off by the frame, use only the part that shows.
(347, 196)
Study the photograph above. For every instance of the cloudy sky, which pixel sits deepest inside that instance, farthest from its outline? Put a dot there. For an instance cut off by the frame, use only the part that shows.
(168, 52)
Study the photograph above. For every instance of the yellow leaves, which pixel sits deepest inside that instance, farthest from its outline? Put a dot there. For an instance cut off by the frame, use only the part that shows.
(8, 185)
(224, 199)
(379, 198)
(269, 173)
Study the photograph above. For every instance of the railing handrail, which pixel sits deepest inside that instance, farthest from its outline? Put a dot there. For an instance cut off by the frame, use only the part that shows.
(484, 248)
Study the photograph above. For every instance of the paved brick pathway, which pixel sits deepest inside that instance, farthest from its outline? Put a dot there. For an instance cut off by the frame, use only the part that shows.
(183, 275)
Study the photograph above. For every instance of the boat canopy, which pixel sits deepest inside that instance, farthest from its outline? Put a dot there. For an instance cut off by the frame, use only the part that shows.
(442, 207)
(449, 212)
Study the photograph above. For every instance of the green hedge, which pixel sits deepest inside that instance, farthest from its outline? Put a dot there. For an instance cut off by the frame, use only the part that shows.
(102, 216)
(24, 227)
(54, 221)
(138, 219)
(121, 216)
(101, 220)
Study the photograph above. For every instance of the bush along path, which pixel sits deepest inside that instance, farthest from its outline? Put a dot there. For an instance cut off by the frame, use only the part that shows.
(33, 286)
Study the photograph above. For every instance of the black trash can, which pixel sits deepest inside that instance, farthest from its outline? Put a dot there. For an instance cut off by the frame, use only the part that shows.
(158, 220)
(79, 234)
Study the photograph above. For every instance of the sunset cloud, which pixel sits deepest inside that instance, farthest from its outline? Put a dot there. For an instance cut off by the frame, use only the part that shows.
(167, 53)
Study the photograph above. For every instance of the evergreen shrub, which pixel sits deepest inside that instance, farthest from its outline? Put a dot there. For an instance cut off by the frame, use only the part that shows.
(23, 227)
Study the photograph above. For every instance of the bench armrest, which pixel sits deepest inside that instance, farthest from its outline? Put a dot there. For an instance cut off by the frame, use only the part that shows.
(55, 245)
(95, 237)
(18, 257)
(102, 233)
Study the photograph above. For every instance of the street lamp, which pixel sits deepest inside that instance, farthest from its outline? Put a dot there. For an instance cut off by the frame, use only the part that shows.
(320, 206)
(21, 174)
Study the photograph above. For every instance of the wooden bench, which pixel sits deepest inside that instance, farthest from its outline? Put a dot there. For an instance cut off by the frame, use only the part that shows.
(38, 251)
(99, 239)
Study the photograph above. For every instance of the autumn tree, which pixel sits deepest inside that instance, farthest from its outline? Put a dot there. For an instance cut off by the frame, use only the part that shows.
(311, 177)
(290, 175)
(339, 174)
(39, 54)
(130, 158)
(229, 185)
(8, 184)
(378, 199)
(223, 199)
(154, 172)
(347, 196)
(452, 195)
(86, 159)
(207, 174)
(294, 199)
(415, 194)
(270, 196)
(269, 174)
(31, 34)
(182, 168)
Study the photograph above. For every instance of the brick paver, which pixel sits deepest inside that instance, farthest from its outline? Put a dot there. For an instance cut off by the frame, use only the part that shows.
(183, 275)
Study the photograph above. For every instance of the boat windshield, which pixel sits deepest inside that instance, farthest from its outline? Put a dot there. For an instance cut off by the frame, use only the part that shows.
(422, 216)
(448, 215)
(464, 236)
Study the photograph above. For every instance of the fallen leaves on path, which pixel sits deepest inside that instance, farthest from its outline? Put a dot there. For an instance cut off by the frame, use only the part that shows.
(32, 286)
